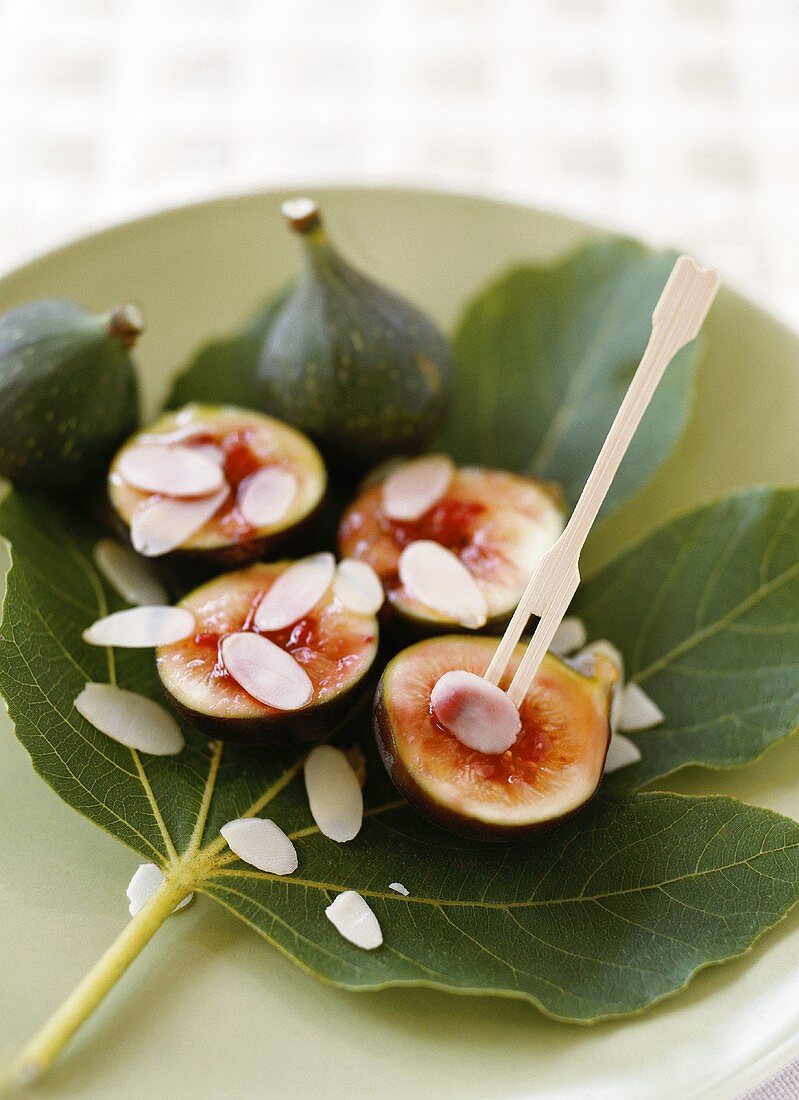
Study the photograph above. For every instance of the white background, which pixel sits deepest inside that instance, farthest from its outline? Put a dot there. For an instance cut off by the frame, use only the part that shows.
(675, 120)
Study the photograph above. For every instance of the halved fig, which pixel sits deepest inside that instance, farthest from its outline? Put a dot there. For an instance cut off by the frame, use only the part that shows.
(495, 524)
(552, 768)
(215, 485)
(333, 646)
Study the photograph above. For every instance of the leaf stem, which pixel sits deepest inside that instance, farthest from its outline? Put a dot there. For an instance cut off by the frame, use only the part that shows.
(42, 1050)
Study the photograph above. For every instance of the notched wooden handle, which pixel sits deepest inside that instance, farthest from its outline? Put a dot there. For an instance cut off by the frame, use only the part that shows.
(685, 301)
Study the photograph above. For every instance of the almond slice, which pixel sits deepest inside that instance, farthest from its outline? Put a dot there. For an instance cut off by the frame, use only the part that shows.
(437, 578)
(569, 636)
(479, 714)
(296, 592)
(266, 671)
(262, 844)
(211, 451)
(637, 711)
(334, 793)
(609, 650)
(175, 471)
(126, 572)
(416, 486)
(141, 627)
(585, 663)
(358, 587)
(176, 435)
(351, 916)
(265, 497)
(145, 884)
(621, 753)
(131, 719)
(161, 524)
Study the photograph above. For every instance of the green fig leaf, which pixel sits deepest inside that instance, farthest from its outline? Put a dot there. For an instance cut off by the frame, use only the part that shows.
(601, 916)
(544, 356)
(611, 911)
(706, 613)
(223, 371)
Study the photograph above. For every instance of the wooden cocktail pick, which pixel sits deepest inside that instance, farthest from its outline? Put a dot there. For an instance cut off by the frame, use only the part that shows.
(676, 320)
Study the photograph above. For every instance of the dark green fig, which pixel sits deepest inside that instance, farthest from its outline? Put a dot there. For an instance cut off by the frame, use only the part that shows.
(264, 487)
(496, 524)
(361, 370)
(550, 771)
(335, 647)
(68, 392)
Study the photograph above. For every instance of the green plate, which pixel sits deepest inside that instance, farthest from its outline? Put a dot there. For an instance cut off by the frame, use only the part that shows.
(210, 1009)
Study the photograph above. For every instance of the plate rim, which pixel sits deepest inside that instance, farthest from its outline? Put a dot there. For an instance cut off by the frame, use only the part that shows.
(785, 1052)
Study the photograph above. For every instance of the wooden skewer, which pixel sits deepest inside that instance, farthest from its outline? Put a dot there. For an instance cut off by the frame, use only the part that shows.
(676, 320)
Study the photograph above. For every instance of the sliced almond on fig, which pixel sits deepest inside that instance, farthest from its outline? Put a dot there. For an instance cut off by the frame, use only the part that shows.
(125, 572)
(413, 488)
(176, 435)
(261, 843)
(621, 753)
(479, 714)
(210, 451)
(570, 636)
(498, 524)
(131, 719)
(145, 884)
(358, 587)
(439, 579)
(296, 592)
(188, 435)
(237, 443)
(267, 672)
(637, 711)
(334, 793)
(335, 647)
(266, 496)
(352, 917)
(177, 471)
(162, 523)
(141, 627)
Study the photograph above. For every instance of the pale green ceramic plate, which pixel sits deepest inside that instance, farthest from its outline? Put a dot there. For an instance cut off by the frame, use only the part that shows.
(210, 1009)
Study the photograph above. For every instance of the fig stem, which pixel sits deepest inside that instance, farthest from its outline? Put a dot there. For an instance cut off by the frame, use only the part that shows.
(42, 1050)
(126, 322)
(302, 215)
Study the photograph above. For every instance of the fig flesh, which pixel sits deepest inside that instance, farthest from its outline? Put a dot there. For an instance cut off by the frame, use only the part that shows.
(334, 646)
(497, 524)
(272, 485)
(552, 768)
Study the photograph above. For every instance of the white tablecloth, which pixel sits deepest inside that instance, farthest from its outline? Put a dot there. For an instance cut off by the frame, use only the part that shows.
(675, 120)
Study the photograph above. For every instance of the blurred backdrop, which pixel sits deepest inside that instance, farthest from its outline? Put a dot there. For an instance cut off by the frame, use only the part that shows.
(674, 120)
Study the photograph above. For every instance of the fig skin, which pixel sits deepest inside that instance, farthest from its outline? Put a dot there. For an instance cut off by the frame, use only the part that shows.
(69, 393)
(364, 372)
(182, 568)
(461, 822)
(268, 727)
(296, 727)
(193, 564)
